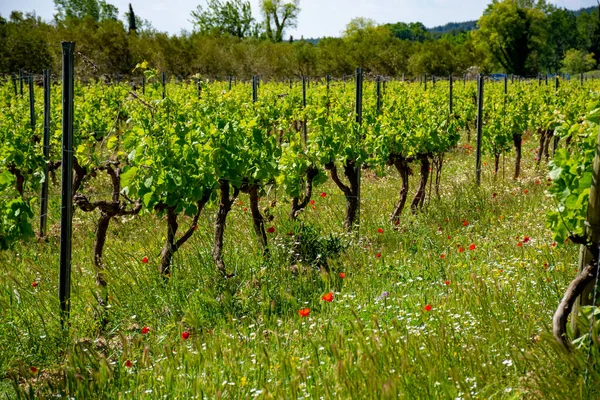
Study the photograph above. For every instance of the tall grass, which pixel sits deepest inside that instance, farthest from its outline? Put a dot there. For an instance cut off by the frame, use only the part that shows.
(457, 305)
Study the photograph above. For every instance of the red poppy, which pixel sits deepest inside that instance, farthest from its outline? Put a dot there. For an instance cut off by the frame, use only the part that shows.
(128, 364)
(323, 194)
(449, 237)
(443, 256)
(271, 229)
(428, 307)
(342, 275)
(447, 283)
(554, 244)
(240, 203)
(537, 182)
(397, 222)
(312, 202)
(519, 244)
(465, 222)
(145, 260)
(379, 230)
(290, 233)
(461, 249)
(34, 284)
(327, 297)
(245, 209)
(526, 191)
(145, 330)
(378, 255)
(472, 246)
(185, 335)
(304, 312)
(526, 239)
(494, 194)
(33, 370)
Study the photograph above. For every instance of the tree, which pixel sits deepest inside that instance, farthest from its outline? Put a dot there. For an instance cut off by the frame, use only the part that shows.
(512, 30)
(588, 27)
(561, 34)
(98, 10)
(433, 57)
(282, 15)
(24, 43)
(131, 20)
(233, 17)
(415, 31)
(577, 61)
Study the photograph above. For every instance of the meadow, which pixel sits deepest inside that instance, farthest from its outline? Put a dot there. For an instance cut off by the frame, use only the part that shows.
(455, 301)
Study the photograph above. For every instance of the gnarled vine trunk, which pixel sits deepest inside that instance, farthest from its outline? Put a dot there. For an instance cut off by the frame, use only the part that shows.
(350, 191)
(108, 210)
(403, 169)
(518, 143)
(171, 246)
(299, 205)
(258, 220)
(420, 195)
(225, 203)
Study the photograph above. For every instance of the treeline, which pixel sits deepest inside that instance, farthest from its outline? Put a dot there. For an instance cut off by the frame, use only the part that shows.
(510, 38)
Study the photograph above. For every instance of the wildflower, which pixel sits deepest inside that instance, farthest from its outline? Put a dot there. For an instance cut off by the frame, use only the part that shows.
(145, 330)
(245, 209)
(379, 230)
(537, 182)
(128, 364)
(460, 250)
(327, 297)
(304, 312)
(447, 283)
(526, 239)
(145, 260)
(465, 222)
(526, 191)
(472, 247)
(33, 370)
(342, 275)
(378, 255)
(443, 256)
(494, 194)
(323, 194)
(428, 307)
(240, 203)
(383, 295)
(312, 202)
(34, 284)
(519, 244)
(554, 244)
(185, 335)
(271, 229)
(449, 237)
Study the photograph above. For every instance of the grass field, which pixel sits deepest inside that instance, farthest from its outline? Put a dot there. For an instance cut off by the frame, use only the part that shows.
(454, 302)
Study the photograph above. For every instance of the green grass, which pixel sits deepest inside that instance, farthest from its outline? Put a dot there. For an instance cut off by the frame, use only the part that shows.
(485, 336)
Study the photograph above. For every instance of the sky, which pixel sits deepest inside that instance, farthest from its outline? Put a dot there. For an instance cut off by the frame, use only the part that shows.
(318, 18)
